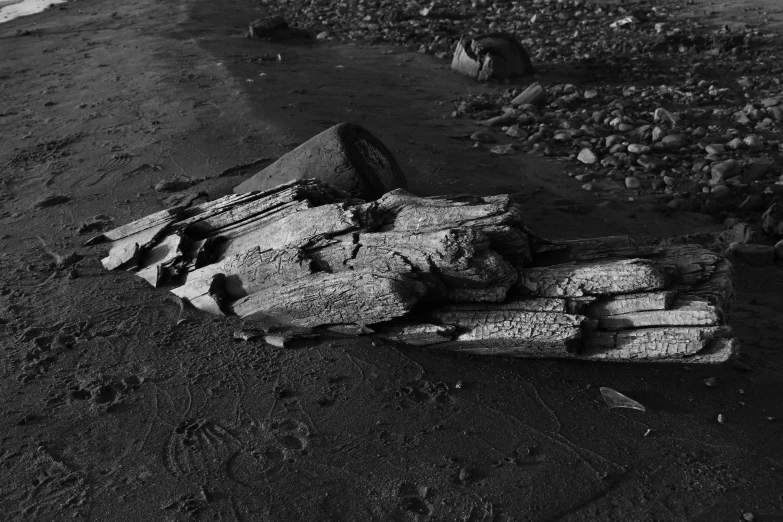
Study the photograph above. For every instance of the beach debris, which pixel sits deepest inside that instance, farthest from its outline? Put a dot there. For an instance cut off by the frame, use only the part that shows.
(458, 273)
(532, 95)
(51, 199)
(503, 150)
(615, 399)
(347, 156)
(275, 28)
(493, 55)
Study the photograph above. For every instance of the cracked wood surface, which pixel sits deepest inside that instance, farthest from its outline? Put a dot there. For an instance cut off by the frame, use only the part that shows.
(452, 272)
(686, 311)
(652, 344)
(347, 297)
(629, 303)
(594, 278)
(456, 263)
(247, 272)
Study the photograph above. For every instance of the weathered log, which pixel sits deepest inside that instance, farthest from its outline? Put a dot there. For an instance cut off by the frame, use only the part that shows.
(131, 248)
(246, 273)
(164, 217)
(499, 217)
(456, 264)
(308, 255)
(532, 95)
(670, 344)
(360, 297)
(594, 278)
(157, 258)
(686, 311)
(346, 156)
(629, 303)
(494, 55)
(547, 327)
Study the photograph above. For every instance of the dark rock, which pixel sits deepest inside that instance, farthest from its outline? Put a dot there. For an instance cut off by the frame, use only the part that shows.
(345, 156)
(772, 220)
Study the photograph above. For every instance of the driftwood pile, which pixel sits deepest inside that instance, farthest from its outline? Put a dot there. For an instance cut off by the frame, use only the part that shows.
(459, 273)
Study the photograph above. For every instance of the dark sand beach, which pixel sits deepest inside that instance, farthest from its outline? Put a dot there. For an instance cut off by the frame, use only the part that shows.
(120, 405)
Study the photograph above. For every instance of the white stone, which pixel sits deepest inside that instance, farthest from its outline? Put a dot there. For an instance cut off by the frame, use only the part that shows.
(587, 157)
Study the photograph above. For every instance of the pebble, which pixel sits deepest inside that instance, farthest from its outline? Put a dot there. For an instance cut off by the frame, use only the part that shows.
(721, 191)
(715, 148)
(323, 35)
(711, 382)
(635, 148)
(585, 177)
(721, 418)
(625, 127)
(673, 141)
(724, 170)
(632, 182)
(754, 142)
(779, 250)
(735, 144)
(587, 157)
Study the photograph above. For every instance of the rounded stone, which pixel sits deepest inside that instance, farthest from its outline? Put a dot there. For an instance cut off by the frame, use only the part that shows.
(587, 156)
(632, 182)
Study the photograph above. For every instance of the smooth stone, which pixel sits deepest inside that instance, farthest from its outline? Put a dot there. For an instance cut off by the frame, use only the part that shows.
(562, 136)
(615, 175)
(658, 133)
(588, 187)
(585, 177)
(776, 113)
(770, 102)
(625, 127)
(632, 182)
(635, 148)
(587, 157)
(721, 191)
(735, 144)
(590, 94)
(715, 148)
(613, 140)
(673, 141)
